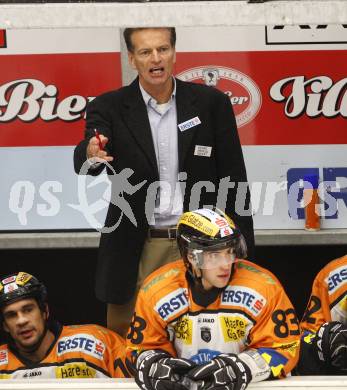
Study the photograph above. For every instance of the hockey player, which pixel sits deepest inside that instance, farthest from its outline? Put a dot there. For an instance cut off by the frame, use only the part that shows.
(213, 320)
(324, 325)
(40, 348)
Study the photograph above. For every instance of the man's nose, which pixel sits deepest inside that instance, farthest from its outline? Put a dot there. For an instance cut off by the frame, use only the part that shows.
(225, 262)
(155, 56)
(21, 319)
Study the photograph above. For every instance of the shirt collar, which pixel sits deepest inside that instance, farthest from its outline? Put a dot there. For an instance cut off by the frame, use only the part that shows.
(148, 99)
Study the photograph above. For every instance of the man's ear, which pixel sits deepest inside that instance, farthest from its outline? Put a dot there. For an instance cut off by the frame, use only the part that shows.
(5, 327)
(131, 60)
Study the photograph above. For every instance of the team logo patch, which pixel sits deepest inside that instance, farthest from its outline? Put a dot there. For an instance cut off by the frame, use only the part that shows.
(3, 356)
(244, 297)
(172, 304)
(235, 328)
(10, 279)
(23, 278)
(205, 333)
(244, 94)
(183, 330)
(81, 343)
(223, 224)
(10, 287)
(336, 279)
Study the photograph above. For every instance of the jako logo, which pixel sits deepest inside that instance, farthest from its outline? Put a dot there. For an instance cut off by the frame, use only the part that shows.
(244, 94)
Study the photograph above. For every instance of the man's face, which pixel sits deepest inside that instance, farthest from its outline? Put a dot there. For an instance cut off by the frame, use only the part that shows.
(25, 322)
(216, 268)
(153, 57)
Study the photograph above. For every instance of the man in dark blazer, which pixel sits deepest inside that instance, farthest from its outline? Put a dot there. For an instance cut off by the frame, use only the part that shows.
(201, 151)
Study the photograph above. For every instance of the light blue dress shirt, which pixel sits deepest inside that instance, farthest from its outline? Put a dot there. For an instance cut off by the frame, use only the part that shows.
(163, 122)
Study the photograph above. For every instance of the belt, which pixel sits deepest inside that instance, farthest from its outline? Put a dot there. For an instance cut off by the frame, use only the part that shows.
(169, 233)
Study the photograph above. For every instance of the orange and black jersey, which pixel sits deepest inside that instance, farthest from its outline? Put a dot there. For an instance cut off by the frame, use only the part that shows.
(328, 302)
(81, 351)
(252, 312)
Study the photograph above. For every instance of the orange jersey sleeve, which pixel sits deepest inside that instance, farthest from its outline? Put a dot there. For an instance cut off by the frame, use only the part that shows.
(276, 333)
(148, 329)
(328, 300)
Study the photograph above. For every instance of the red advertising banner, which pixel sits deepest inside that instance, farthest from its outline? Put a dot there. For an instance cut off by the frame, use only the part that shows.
(2, 39)
(279, 97)
(43, 97)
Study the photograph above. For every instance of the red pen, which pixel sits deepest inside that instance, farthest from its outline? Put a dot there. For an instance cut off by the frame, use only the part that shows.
(97, 135)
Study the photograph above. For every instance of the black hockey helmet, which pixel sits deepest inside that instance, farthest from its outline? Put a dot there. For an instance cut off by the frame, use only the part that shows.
(208, 230)
(21, 286)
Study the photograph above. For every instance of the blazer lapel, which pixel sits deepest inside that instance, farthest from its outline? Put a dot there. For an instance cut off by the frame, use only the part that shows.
(136, 118)
(186, 110)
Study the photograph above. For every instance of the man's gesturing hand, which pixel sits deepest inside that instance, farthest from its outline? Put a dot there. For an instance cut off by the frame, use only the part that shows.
(156, 370)
(225, 372)
(96, 149)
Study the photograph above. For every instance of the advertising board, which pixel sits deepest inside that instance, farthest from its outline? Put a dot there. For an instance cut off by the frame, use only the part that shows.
(287, 85)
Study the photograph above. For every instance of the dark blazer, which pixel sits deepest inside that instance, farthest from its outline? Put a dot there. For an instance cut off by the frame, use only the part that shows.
(121, 115)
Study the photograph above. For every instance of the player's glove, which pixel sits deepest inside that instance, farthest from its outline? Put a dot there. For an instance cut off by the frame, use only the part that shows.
(157, 370)
(331, 345)
(226, 371)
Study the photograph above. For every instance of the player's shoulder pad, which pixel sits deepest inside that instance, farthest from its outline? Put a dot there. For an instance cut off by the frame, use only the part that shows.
(165, 277)
(332, 266)
(250, 270)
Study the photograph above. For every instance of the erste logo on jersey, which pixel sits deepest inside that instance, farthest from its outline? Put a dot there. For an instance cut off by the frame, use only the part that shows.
(336, 278)
(172, 303)
(244, 94)
(244, 297)
(81, 342)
